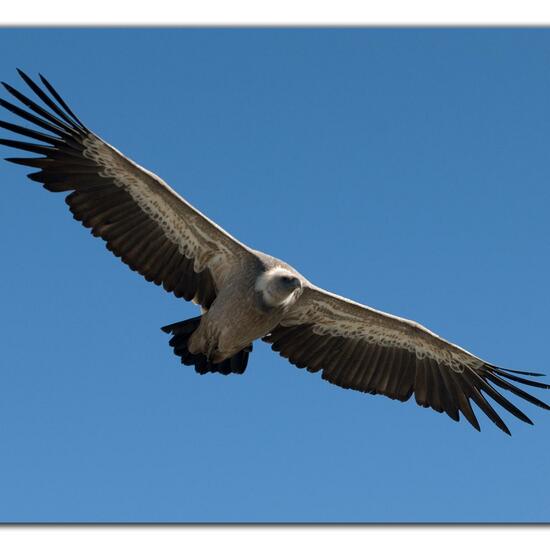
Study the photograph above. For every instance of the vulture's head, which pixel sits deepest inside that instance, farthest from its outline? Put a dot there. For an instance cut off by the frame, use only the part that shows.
(278, 287)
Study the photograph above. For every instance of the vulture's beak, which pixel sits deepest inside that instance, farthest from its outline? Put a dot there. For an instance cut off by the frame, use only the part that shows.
(296, 283)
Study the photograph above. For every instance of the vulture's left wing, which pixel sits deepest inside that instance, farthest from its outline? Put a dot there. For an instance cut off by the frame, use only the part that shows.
(145, 222)
(367, 350)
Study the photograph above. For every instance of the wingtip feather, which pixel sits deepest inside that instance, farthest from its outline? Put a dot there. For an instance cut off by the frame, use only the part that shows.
(525, 373)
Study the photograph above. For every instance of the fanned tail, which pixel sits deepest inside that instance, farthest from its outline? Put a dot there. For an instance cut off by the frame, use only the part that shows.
(183, 330)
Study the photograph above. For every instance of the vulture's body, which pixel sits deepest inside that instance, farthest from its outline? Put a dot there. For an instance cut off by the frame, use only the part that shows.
(245, 295)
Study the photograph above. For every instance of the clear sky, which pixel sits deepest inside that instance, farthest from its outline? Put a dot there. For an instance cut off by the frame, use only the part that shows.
(405, 169)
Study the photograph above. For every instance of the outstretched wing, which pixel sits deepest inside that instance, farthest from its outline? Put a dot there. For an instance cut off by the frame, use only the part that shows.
(145, 222)
(364, 349)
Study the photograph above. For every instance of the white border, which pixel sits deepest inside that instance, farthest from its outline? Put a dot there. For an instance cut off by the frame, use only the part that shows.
(268, 537)
(280, 12)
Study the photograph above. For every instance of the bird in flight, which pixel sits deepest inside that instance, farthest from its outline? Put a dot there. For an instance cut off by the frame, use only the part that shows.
(244, 294)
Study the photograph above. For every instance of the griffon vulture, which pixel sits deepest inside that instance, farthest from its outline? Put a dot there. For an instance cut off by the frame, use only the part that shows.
(244, 294)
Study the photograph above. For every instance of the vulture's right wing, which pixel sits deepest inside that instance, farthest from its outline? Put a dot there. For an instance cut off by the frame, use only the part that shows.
(145, 222)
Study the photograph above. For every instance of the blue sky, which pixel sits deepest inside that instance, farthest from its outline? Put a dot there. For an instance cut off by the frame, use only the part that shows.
(406, 169)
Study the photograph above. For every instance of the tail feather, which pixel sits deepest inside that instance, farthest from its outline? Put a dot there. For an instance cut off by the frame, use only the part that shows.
(183, 330)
